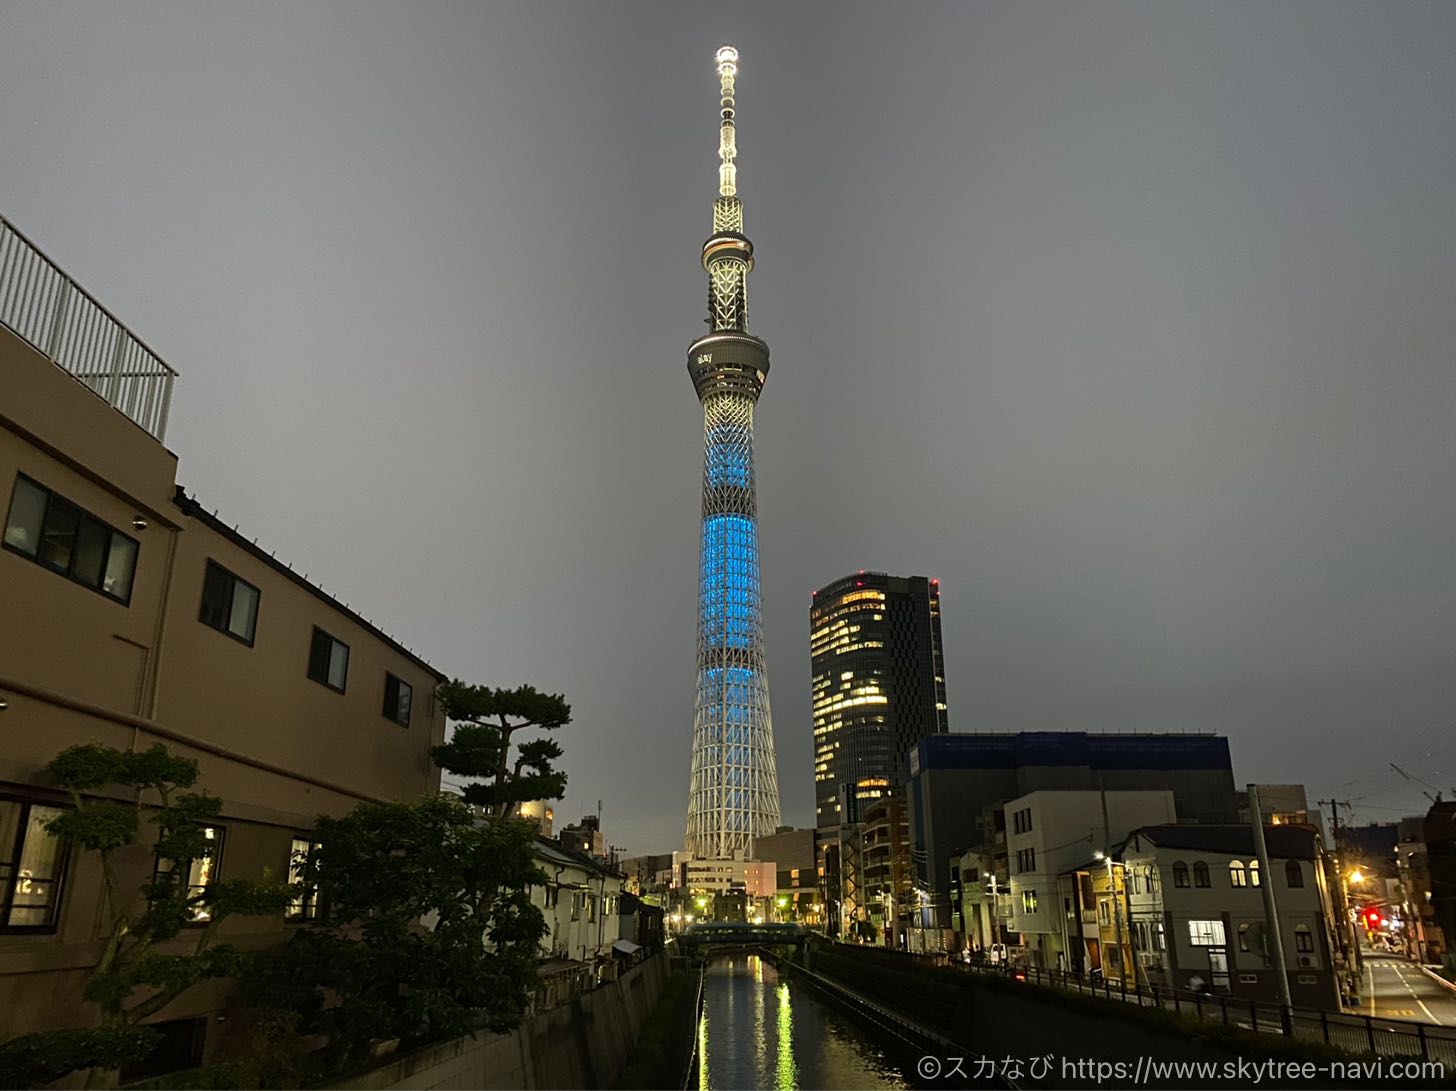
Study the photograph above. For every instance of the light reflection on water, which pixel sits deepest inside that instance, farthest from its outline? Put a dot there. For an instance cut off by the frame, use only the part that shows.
(761, 1031)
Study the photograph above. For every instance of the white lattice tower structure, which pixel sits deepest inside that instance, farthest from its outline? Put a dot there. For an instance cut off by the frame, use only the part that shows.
(734, 791)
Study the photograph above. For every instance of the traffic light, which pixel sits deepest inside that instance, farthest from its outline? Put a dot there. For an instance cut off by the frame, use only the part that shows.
(1373, 919)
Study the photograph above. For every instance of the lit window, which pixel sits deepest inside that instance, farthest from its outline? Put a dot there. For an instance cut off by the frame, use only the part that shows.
(201, 873)
(305, 907)
(32, 863)
(1206, 933)
(1303, 939)
(1237, 876)
(1028, 901)
(328, 660)
(229, 604)
(58, 535)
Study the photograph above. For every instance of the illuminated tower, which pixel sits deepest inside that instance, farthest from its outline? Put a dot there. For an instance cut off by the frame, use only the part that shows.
(734, 792)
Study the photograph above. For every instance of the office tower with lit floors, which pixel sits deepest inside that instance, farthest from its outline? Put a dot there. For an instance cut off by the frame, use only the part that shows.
(878, 687)
(733, 794)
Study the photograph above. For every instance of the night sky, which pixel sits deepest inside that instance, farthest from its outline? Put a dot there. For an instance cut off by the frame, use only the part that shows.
(1131, 323)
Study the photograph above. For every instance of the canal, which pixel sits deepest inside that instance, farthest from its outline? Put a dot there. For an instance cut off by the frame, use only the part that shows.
(761, 1030)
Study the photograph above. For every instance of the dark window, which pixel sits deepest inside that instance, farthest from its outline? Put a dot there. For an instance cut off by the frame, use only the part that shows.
(1303, 939)
(1180, 873)
(57, 534)
(229, 604)
(328, 661)
(397, 697)
(201, 873)
(1293, 873)
(32, 864)
(306, 906)
(1200, 874)
(179, 1047)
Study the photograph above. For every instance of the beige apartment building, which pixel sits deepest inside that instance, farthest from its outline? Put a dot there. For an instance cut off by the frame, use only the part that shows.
(130, 616)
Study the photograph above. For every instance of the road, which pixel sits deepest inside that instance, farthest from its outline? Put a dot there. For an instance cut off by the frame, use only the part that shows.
(1398, 989)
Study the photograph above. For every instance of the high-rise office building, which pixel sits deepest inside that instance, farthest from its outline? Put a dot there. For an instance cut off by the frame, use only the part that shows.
(734, 791)
(878, 686)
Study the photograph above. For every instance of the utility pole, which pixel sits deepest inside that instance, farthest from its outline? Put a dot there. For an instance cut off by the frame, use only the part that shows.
(1271, 908)
(1347, 930)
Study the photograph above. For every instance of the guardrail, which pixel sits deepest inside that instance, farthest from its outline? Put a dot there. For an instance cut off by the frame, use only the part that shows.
(1382, 1037)
(61, 320)
(690, 1070)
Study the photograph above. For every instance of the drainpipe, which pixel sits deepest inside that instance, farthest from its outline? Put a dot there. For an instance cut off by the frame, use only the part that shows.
(159, 633)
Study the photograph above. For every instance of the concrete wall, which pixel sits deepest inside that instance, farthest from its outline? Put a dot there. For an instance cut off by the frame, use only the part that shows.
(584, 1044)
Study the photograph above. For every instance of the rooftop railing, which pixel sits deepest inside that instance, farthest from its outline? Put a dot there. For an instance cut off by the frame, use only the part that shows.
(64, 323)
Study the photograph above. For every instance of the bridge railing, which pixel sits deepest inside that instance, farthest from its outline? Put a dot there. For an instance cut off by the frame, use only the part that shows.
(63, 322)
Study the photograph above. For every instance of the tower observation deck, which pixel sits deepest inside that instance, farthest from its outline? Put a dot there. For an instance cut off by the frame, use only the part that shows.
(734, 791)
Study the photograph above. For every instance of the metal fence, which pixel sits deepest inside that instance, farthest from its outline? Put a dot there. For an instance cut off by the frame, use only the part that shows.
(1393, 1038)
(62, 321)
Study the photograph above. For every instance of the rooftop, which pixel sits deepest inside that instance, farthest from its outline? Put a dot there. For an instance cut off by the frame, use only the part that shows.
(1071, 748)
(1284, 842)
(64, 323)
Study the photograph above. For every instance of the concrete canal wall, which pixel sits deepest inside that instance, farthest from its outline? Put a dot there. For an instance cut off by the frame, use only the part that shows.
(583, 1044)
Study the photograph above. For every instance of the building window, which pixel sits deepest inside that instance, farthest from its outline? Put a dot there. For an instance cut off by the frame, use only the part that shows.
(1237, 875)
(1293, 873)
(32, 864)
(397, 697)
(553, 892)
(328, 660)
(304, 907)
(1206, 933)
(1180, 874)
(201, 873)
(58, 535)
(1104, 917)
(1253, 873)
(1200, 874)
(1026, 860)
(1243, 937)
(229, 604)
(1028, 901)
(1303, 939)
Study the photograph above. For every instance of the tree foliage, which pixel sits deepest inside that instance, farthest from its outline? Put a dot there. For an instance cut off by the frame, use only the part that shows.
(430, 932)
(480, 748)
(134, 977)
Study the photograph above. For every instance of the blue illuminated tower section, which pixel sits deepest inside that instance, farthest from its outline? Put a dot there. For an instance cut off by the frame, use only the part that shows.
(734, 792)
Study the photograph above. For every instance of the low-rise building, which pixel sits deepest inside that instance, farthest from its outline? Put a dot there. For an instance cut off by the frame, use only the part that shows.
(1194, 917)
(888, 886)
(134, 616)
(1047, 833)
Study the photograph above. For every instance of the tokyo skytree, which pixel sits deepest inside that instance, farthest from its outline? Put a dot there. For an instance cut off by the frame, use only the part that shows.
(734, 791)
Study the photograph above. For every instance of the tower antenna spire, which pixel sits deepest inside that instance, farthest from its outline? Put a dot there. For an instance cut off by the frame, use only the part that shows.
(727, 59)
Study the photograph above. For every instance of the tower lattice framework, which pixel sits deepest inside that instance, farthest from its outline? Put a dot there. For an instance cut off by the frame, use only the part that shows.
(734, 791)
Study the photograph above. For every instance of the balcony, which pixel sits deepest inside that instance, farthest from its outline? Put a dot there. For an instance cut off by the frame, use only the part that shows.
(61, 321)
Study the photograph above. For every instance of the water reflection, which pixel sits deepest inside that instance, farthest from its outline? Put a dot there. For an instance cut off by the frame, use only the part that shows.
(761, 1030)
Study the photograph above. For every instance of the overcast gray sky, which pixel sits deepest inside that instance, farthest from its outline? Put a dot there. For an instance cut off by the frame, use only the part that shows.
(1132, 323)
